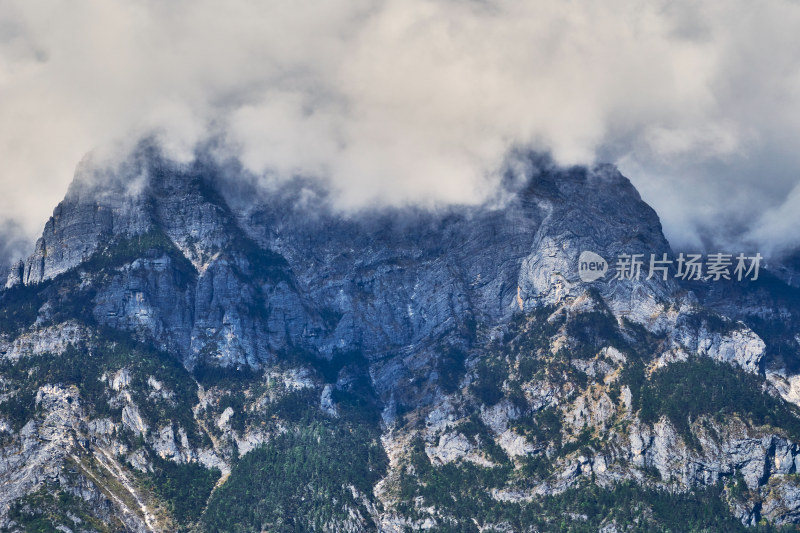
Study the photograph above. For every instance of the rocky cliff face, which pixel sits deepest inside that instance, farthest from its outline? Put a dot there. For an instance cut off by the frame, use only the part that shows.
(178, 329)
(290, 271)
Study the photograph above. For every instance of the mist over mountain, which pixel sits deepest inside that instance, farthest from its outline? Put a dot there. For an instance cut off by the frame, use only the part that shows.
(419, 102)
(399, 266)
(187, 349)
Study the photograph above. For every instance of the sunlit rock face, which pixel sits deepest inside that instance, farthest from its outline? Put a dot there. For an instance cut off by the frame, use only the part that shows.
(190, 315)
(373, 281)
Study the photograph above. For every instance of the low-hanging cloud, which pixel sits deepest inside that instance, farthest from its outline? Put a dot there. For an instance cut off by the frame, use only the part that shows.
(418, 101)
(12, 243)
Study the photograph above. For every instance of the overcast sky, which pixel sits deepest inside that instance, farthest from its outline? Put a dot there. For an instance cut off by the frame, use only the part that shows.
(419, 100)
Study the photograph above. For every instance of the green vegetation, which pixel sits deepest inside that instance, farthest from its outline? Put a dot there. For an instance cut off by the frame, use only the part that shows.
(49, 507)
(184, 487)
(529, 335)
(684, 391)
(84, 365)
(521, 355)
(591, 332)
(152, 244)
(541, 428)
(475, 430)
(300, 480)
(461, 492)
(582, 442)
(236, 401)
(488, 385)
(710, 321)
(19, 307)
(450, 367)
(326, 369)
(224, 377)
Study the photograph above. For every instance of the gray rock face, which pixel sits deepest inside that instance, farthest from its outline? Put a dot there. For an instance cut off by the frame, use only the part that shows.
(377, 282)
(433, 270)
(219, 273)
(738, 345)
(95, 208)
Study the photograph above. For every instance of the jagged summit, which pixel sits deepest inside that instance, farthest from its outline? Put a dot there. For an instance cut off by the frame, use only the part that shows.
(104, 203)
(178, 324)
(378, 280)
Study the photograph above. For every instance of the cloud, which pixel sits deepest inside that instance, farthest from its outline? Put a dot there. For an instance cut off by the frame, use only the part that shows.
(777, 229)
(13, 243)
(417, 101)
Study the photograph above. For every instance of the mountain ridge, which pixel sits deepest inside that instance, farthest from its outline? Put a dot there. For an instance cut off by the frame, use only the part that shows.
(178, 329)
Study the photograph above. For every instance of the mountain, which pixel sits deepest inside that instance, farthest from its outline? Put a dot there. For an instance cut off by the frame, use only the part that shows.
(190, 349)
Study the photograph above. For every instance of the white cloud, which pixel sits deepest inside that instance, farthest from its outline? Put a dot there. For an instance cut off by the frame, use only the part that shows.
(413, 100)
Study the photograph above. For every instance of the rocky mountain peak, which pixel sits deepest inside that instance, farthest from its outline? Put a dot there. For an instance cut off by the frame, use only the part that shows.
(175, 320)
